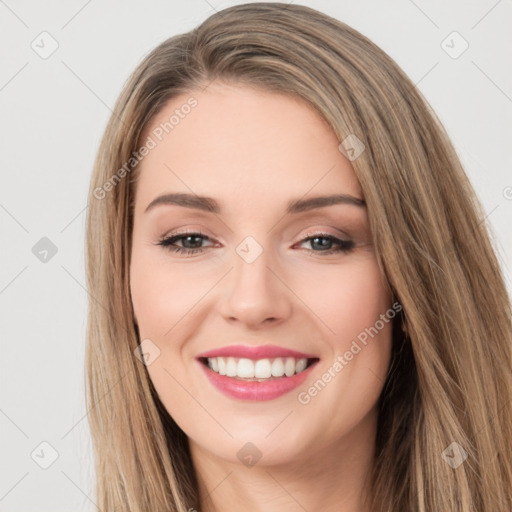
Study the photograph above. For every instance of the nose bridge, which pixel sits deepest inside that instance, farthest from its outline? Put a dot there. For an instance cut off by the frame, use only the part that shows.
(255, 293)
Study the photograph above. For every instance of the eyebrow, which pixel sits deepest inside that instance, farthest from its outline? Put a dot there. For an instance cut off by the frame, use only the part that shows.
(208, 204)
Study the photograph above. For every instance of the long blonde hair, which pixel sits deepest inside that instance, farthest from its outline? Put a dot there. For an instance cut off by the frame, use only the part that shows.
(450, 377)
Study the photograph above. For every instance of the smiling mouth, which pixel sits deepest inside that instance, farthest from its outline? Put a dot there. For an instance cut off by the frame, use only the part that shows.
(257, 370)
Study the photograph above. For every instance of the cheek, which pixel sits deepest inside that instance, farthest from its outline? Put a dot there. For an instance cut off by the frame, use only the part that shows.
(348, 300)
(355, 307)
(359, 315)
(162, 296)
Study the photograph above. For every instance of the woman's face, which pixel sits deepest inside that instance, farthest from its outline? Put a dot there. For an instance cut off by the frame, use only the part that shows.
(261, 277)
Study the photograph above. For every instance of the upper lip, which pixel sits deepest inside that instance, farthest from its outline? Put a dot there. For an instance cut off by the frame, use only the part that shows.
(255, 352)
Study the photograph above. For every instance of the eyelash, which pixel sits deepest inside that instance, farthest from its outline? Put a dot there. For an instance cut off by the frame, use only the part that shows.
(345, 246)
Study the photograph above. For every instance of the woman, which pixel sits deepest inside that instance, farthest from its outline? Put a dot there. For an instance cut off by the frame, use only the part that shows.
(295, 304)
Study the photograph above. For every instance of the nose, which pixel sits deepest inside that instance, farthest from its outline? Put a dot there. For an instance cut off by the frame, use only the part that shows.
(255, 293)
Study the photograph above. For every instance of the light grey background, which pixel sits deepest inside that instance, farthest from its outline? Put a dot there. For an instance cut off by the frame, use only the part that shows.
(53, 113)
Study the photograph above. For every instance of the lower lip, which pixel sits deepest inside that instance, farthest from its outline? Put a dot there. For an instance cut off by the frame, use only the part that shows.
(253, 390)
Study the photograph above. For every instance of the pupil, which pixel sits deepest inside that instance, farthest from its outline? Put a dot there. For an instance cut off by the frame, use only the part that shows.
(323, 245)
(196, 241)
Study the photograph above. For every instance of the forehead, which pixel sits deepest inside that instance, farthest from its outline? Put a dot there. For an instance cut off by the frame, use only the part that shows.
(242, 145)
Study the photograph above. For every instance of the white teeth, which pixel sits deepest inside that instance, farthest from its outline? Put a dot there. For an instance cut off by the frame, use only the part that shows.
(260, 369)
(277, 367)
(220, 363)
(301, 365)
(231, 367)
(289, 366)
(245, 368)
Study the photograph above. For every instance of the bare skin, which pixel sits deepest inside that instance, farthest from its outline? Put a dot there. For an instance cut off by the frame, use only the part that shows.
(253, 152)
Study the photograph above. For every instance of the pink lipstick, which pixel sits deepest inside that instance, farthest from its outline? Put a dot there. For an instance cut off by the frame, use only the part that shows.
(256, 372)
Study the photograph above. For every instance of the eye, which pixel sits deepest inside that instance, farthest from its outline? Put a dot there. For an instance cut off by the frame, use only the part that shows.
(191, 243)
(322, 243)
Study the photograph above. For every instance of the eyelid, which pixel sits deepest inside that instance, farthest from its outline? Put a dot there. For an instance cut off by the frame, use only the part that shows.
(187, 231)
(318, 230)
